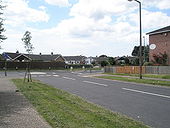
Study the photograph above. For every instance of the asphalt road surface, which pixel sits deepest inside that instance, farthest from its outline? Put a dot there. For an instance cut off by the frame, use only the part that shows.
(145, 103)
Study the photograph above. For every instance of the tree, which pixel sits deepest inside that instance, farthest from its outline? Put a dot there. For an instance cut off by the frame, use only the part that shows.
(27, 42)
(145, 52)
(29, 48)
(111, 61)
(104, 63)
(2, 37)
(102, 56)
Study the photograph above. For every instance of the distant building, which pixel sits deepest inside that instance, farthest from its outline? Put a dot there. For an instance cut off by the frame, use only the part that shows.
(74, 59)
(159, 41)
(20, 57)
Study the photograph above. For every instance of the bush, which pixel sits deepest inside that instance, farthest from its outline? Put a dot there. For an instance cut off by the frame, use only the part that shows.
(104, 63)
(148, 64)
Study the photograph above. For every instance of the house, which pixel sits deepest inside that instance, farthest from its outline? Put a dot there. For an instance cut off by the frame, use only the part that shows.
(95, 60)
(159, 42)
(20, 57)
(74, 59)
(125, 60)
(90, 60)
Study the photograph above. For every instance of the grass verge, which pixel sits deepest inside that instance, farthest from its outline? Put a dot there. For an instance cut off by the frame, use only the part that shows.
(144, 75)
(64, 110)
(137, 80)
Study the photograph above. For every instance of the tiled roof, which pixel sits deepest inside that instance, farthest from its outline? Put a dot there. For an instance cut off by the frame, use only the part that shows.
(162, 30)
(74, 58)
(34, 56)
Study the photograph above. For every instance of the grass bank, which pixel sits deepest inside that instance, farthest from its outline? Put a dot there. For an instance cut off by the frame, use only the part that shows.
(64, 110)
(160, 76)
(137, 80)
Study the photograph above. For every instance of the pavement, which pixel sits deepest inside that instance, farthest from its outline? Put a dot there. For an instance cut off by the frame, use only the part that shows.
(15, 110)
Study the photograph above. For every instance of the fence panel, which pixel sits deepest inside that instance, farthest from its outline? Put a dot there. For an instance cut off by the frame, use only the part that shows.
(135, 69)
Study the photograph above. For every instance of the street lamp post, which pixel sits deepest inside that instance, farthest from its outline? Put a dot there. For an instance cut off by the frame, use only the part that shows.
(140, 47)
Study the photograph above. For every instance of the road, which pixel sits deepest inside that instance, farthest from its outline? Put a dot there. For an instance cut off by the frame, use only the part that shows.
(145, 103)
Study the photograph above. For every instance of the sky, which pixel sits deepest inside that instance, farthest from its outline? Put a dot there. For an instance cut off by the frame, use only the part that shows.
(81, 27)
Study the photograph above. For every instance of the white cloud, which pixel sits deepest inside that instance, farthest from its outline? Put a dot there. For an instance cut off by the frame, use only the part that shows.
(96, 27)
(97, 9)
(161, 4)
(61, 3)
(150, 20)
(18, 12)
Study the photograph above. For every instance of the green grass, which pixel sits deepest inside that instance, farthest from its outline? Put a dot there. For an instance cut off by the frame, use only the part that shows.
(137, 80)
(160, 76)
(64, 110)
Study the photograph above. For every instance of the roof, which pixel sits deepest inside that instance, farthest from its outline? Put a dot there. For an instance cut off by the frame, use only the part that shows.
(43, 57)
(161, 30)
(11, 55)
(34, 56)
(74, 58)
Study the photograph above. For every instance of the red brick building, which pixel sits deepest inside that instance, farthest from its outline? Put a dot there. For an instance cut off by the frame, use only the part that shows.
(159, 42)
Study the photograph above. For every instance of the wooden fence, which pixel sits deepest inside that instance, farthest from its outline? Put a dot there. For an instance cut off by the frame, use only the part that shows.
(135, 69)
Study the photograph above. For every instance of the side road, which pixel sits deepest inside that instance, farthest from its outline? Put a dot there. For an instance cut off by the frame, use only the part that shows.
(15, 110)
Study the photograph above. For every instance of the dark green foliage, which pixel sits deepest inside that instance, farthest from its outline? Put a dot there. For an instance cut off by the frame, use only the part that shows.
(104, 63)
(1, 57)
(127, 62)
(111, 61)
(103, 56)
(135, 61)
(160, 59)
(145, 52)
(2, 37)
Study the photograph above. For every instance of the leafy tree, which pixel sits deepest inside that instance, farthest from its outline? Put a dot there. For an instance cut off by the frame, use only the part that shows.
(27, 42)
(29, 47)
(104, 63)
(127, 62)
(135, 61)
(145, 52)
(2, 37)
(103, 56)
(111, 61)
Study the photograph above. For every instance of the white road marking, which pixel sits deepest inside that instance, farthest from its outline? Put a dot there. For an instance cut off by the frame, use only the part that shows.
(90, 82)
(38, 73)
(148, 93)
(56, 75)
(68, 78)
(48, 75)
(53, 73)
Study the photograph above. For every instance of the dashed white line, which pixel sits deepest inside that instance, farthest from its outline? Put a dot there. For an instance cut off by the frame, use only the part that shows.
(148, 93)
(68, 78)
(56, 75)
(90, 82)
(38, 73)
